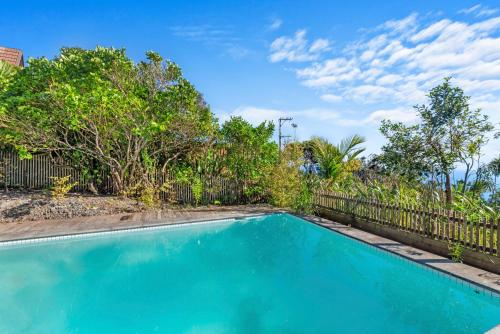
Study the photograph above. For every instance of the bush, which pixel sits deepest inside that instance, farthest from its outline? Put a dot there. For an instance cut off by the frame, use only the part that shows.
(197, 189)
(456, 250)
(149, 196)
(61, 186)
(287, 185)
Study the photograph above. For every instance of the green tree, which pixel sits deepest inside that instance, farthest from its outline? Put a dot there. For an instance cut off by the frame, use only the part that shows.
(494, 168)
(100, 110)
(449, 132)
(249, 152)
(404, 153)
(7, 72)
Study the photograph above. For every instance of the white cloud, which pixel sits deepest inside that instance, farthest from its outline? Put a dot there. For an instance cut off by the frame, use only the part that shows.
(319, 45)
(396, 115)
(389, 79)
(213, 37)
(331, 98)
(430, 31)
(399, 61)
(254, 115)
(319, 114)
(275, 24)
(392, 67)
(404, 25)
(405, 115)
(469, 10)
(297, 48)
(479, 10)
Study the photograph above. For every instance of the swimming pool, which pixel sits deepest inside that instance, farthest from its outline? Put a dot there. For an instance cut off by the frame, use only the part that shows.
(269, 274)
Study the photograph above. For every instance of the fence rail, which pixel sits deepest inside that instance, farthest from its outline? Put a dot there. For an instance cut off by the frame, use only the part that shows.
(481, 235)
(38, 173)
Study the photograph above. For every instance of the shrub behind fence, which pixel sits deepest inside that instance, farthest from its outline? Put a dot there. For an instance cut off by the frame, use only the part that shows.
(480, 235)
(38, 173)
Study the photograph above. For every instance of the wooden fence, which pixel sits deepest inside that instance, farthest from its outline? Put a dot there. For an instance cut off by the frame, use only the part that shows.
(38, 173)
(481, 235)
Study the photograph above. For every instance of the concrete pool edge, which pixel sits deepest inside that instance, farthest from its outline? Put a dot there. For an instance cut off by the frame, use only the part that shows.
(146, 227)
(58, 227)
(473, 276)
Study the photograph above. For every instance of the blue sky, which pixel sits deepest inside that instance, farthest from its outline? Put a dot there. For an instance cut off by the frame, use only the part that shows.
(336, 67)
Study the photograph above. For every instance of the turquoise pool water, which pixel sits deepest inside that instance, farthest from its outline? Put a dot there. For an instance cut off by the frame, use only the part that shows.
(273, 274)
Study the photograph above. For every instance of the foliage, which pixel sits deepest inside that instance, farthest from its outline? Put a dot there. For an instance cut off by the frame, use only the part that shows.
(99, 109)
(449, 132)
(197, 188)
(494, 169)
(7, 72)
(405, 153)
(187, 176)
(287, 184)
(62, 186)
(456, 250)
(474, 206)
(335, 162)
(249, 154)
(149, 197)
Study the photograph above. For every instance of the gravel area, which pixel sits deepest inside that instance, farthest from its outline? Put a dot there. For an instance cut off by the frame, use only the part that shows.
(18, 206)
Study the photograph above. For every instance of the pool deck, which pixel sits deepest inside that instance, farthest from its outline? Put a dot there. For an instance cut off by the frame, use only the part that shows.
(47, 228)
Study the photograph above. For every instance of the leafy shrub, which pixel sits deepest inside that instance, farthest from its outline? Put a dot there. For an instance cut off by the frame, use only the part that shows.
(189, 177)
(456, 251)
(197, 189)
(61, 186)
(303, 203)
(149, 196)
(288, 186)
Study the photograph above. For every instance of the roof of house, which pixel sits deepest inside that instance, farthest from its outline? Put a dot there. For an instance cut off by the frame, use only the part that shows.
(12, 56)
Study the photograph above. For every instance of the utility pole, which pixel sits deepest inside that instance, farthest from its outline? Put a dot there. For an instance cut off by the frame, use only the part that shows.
(281, 121)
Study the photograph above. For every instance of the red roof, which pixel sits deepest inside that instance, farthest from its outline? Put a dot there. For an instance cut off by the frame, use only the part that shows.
(12, 56)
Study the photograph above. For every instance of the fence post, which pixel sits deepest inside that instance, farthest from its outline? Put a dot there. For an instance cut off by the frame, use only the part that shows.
(498, 236)
(491, 236)
(484, 234)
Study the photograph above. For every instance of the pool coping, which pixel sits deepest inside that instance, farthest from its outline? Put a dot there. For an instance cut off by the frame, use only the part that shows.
(77, 227)
(156, 225)
(478, 278)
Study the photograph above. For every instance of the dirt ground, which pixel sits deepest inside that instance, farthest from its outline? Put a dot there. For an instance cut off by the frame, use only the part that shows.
(18, 206)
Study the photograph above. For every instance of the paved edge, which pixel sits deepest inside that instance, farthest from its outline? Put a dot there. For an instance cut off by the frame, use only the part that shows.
(488, 281)
(79, 225)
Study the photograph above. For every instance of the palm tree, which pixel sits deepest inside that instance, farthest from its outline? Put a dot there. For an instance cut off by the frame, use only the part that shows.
(334, 160)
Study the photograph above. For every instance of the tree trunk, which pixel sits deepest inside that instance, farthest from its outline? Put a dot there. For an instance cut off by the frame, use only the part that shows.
(466, 178)
(449, 195)
(117, 183)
